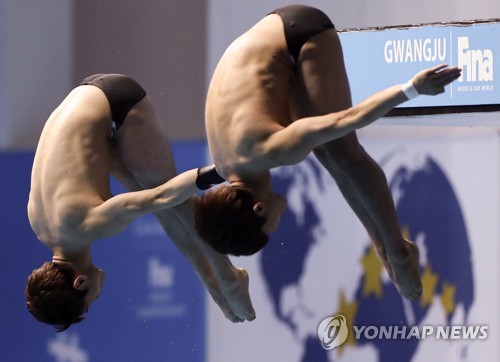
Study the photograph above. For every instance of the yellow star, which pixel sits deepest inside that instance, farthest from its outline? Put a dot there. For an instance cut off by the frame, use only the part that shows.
(348, 310)
(372, 267)
(448, 298)
(429, 281)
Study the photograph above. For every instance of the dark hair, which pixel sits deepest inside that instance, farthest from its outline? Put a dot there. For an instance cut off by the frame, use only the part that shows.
(51, 297)
(225, 219)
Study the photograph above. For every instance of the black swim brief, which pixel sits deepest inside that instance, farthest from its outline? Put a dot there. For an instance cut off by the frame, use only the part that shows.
(122, 92)
(300, 23)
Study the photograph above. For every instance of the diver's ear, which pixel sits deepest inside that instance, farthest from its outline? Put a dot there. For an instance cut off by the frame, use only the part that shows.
(259, 208)
(81, 282)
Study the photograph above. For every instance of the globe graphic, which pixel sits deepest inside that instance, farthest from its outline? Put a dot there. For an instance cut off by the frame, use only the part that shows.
(315, 256)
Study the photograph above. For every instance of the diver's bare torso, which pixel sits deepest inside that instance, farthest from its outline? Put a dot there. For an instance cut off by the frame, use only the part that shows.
(71, 168)
(248, 99)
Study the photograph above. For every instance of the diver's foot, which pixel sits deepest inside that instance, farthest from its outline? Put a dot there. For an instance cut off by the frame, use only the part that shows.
(405, 266)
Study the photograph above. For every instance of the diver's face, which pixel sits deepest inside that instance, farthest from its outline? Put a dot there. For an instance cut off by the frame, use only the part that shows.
(95, 280)
(273, 209)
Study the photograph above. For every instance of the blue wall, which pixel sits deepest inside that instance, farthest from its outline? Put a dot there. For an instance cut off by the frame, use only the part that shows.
(152, 307)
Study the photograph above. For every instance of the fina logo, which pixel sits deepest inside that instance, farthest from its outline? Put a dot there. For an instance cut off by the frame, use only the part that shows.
(333, 331)
(476, 64)
(160, 275)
